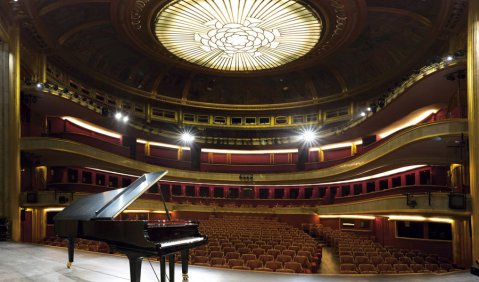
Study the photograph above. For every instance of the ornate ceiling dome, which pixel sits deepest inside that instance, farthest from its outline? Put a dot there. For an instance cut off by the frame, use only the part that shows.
(244, 55)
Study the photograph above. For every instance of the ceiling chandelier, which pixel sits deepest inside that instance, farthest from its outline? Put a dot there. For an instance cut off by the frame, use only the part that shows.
(238, 35)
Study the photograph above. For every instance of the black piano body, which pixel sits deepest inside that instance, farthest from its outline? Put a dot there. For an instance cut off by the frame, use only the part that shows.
(91, 217)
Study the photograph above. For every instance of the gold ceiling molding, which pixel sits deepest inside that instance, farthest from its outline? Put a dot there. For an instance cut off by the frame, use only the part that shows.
(136, 13)
(238, 35)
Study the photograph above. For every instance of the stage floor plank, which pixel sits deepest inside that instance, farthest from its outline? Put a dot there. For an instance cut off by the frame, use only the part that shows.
(31, 262)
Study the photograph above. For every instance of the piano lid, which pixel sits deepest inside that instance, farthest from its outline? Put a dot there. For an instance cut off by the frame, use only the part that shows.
(109, 204)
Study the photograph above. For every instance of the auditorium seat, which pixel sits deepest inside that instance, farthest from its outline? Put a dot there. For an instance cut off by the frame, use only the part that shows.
(216, 254)
(228, 249)
(385, 268)
(358, 254)
(202, 253)
(218, 262)
(237, 264)
(294, 248)
(405, 260)
(391, 260)
(402, 268)
(254, 264)
(199, 260)
(346, 259)
(432, 267)
(290, 253)
(348, 268)
(367, 268)
(385, 254)
(345, 253)
(419, 268)
(418, 260)
(273, 252)
(375, 260)
(232, 255)
(446, 267)
(431, 259)
(284, 258)
(244, 250)
(361, 260)
(304, 261)
(247, 257)
(264, 258)
(294, 266)
(273, 265)
(214, 249)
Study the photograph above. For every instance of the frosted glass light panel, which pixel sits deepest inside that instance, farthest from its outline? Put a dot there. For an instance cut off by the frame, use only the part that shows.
(238, 35)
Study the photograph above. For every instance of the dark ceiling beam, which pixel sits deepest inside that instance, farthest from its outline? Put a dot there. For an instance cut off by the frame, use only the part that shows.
(186, 89)
(416, 17)
(61, 4)
(65, 36)
(341, 81)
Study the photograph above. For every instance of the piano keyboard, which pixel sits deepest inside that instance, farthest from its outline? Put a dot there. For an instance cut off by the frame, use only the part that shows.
(181, 242)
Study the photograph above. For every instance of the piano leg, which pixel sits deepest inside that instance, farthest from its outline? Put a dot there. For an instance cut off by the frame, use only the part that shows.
(163, 268)
(71, 250)
(172, 267)
(184, 263)
(135, 266)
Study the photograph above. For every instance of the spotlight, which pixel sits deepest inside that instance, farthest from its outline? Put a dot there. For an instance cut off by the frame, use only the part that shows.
(363, 114)
(449, 58)
(381, 102)
(450, 77)
(104, 111)
(39, 85)
(369, 109)
(125, 119)
(118, 116)
(308, 136)
(187, 137)
(459, 53)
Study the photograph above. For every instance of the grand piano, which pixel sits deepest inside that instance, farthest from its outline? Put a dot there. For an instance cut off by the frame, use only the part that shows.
(92, 217)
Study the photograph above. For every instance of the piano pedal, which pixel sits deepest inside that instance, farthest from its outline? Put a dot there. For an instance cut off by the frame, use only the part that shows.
(69, 264)
(185, 276)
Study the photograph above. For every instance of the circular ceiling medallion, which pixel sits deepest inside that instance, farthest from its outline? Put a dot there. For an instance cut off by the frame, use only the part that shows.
(238, 35)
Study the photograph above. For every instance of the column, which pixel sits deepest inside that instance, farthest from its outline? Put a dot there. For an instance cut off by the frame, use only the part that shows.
(10, 128)
(461, 243)
(473, 118)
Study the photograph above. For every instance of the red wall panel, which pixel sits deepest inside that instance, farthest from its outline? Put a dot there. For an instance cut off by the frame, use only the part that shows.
(219, 158)
(281, 158)
(337, 154)
(250, 159)
(162, 152)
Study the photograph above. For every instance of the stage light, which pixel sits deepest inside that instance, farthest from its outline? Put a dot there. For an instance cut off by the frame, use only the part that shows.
(449, 58)
(187, 137)
(118, 116)
(308, 136)
(363, 114)
(125, 119)
(39, 85)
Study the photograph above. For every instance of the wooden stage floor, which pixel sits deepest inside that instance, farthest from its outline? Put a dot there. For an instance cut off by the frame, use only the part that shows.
(30, 262)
